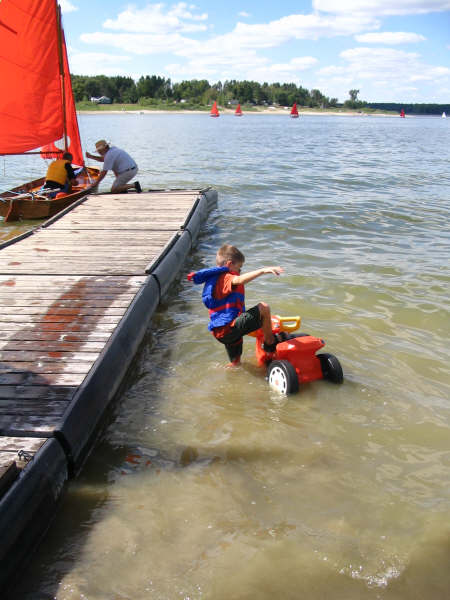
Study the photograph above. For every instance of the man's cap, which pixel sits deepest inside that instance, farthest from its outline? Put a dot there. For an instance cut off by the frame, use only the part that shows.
(101, 144)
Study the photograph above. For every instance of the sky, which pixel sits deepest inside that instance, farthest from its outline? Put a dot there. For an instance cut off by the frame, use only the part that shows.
(389, 50)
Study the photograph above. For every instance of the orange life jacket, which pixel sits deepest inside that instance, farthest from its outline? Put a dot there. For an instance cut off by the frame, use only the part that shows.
(57, 171)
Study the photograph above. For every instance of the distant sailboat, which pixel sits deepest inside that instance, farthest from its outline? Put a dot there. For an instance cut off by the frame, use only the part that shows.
(294, 111)
(214, 111)
(402, 113)
(444, 116)
(238, 112)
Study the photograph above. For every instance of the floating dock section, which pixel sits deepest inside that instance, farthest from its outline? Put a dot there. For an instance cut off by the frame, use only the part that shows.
(76, 297)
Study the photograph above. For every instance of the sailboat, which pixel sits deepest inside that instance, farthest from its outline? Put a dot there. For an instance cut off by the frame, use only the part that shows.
(38, 114)
(402, 113)
(444, 116)
(294, 111)
(238, 112)
(214, 112)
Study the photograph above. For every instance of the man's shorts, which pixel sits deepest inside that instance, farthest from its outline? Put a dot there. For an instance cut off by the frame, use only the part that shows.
(124, 178)
(248, 321)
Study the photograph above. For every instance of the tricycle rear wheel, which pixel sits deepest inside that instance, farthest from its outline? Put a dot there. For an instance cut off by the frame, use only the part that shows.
(331, 368)
(282, 377)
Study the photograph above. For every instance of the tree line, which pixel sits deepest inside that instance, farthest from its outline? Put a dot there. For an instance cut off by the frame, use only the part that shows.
(415, 109)
(153, 89)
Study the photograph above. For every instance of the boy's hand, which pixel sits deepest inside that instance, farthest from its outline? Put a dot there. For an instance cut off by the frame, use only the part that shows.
(274, 270)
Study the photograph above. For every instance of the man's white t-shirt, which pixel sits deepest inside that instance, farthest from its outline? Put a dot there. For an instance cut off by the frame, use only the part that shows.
(118, 161)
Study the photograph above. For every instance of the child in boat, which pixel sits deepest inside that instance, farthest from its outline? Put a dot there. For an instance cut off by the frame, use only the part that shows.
(223, 294)
(60, 174)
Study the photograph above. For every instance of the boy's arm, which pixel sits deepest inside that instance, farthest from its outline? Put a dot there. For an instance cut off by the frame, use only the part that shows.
(247, 277)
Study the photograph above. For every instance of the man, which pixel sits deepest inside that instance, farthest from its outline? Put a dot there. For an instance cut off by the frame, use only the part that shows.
(60, 174)
(116, 160)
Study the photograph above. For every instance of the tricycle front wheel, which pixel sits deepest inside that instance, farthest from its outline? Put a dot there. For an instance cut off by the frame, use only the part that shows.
(331, 367)
(282, 377)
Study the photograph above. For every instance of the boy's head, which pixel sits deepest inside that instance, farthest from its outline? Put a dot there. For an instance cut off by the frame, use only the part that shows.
(67, 156)
(229, 254)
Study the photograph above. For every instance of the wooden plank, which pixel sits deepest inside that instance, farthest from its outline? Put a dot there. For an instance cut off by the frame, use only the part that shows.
(54, 355)
(9, 472)
(70, 282)
(71, 367)
(15, 336)
(31, 426)
(27, 301)
(54, 392)
(14, 444)
(77, 309)
(79, 270)
(62, 326)
(48, 319)
(24, 408)
(29, 378)
(50, 346)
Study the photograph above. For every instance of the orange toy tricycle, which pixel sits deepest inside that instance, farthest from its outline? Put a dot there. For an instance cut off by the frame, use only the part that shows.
(295, 360)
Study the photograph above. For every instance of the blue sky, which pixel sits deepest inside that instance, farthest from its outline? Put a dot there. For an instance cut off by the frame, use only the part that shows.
(390, 50)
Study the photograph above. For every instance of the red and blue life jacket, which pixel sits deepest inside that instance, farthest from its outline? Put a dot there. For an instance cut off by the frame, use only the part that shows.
(221, 311)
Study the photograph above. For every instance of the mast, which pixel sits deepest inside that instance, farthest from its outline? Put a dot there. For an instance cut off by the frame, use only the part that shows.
(61, 70)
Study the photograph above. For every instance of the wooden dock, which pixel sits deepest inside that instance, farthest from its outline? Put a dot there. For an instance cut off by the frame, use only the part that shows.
(76, 297)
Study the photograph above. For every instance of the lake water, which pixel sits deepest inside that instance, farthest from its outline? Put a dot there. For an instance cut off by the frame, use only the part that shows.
(208, 485)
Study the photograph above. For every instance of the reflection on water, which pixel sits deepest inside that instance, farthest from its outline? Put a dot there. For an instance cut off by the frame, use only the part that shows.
(209, 485)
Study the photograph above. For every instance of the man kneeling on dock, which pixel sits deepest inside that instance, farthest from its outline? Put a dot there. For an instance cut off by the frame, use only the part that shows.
(120, 163)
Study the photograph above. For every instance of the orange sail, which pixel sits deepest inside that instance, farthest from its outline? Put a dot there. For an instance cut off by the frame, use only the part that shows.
(71, 141)
(214, 111)
(238, 112)
(294, 111)
(32, 56)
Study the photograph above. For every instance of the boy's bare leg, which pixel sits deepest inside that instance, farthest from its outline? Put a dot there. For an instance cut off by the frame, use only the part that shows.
(266, 325)
(234, 363)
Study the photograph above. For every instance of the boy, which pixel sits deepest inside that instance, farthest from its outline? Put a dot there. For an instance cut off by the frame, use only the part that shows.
(223, 294)
(60, 174)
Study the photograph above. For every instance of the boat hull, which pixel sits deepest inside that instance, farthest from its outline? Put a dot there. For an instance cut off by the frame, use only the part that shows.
(19, 203)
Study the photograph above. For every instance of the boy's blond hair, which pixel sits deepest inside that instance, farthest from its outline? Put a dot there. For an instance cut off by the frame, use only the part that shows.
(228, 252)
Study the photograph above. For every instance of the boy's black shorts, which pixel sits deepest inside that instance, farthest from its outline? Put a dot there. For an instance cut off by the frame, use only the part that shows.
(248, 321)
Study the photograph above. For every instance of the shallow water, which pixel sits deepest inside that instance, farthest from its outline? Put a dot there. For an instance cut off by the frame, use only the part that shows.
(208, 485)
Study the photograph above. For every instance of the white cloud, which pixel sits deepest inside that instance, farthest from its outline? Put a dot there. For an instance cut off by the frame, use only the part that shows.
(390, 38)
(247, 66)
(139, 43)
(67, 6)
(303, 62)
(305, 27)
(382, 7)
(153, 19)
(143, 34)
(244, 14)
(97, 63)
(282, 72)
(393, 72)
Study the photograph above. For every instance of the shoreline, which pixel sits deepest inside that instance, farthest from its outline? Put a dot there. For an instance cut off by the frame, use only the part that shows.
(277, 111)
